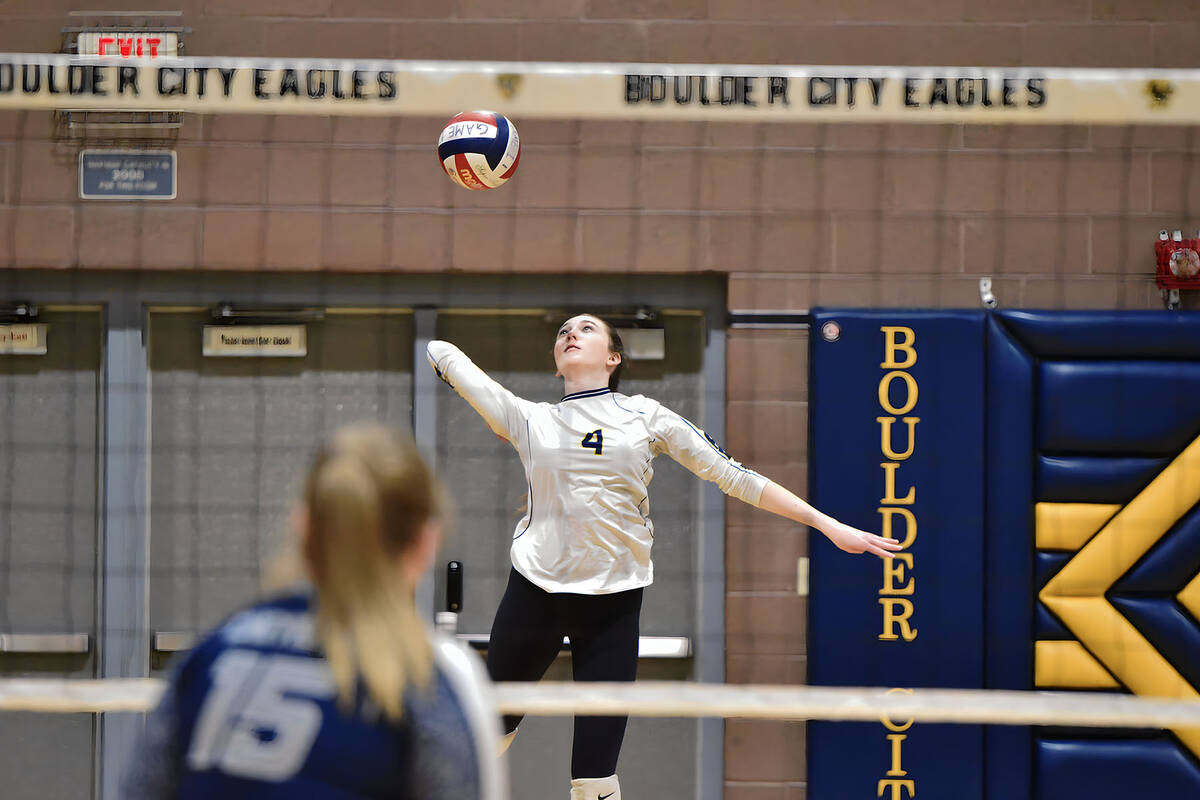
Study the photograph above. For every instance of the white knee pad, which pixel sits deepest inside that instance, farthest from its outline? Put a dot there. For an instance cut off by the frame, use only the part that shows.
(506, 742)
(596, 788)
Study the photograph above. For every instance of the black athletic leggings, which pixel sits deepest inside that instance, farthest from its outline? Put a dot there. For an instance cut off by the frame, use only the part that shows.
(527, 634)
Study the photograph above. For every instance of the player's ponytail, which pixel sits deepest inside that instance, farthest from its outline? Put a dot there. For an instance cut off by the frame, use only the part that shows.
(369, 497)
(615, 345)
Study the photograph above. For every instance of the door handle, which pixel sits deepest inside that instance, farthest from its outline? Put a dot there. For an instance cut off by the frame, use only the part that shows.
(173, 641)
(648, 646)
(44, 643)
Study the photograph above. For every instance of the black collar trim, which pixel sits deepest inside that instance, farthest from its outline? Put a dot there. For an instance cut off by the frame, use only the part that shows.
(587, 393)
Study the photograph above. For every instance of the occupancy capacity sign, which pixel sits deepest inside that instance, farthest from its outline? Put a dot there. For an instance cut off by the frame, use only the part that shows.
(127, 175)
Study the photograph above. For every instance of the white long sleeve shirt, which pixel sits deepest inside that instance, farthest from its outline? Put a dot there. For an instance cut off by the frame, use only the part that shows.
(587, 526)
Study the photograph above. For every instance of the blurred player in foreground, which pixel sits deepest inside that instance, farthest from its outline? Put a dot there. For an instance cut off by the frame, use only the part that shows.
(334, 688)
(581, 553)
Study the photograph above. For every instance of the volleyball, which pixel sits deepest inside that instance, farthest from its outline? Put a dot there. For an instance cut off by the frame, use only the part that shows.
(479, 149)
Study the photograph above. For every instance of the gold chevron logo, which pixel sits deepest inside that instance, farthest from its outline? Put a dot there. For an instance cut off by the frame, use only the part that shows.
(1189, 597)
(1076, 593)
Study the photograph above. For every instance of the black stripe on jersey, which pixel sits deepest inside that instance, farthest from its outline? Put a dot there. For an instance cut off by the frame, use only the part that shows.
(529, 449)
(437, 371)
(714, 446)
(588, 393)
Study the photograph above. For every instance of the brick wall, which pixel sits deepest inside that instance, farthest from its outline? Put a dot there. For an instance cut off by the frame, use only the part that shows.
(795, 215)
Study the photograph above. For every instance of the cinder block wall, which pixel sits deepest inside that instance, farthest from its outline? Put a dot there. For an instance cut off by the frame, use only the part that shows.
(796, 216)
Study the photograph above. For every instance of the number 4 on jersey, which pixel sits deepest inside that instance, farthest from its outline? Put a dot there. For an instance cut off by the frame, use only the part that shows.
(594, 440)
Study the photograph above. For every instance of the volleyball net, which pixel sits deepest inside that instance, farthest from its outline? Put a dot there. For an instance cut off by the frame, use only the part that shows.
(697, 700)
(210, 263)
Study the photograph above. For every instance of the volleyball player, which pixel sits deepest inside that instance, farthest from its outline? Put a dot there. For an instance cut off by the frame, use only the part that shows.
(581, 553)
(334, 688)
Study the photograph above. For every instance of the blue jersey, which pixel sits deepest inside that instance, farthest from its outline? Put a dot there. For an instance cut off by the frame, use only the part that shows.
(252, 712)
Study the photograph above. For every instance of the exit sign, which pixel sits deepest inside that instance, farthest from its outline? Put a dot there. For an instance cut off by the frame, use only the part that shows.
(128, 44)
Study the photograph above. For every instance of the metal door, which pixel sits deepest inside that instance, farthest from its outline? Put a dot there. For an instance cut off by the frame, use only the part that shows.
(49, 432)
(231, 440)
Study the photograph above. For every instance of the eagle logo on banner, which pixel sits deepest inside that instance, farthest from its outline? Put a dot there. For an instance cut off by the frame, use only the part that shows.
(509, 83)
(1160, 92)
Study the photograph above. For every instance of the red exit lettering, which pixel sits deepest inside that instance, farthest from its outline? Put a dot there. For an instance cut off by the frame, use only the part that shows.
(128, 46)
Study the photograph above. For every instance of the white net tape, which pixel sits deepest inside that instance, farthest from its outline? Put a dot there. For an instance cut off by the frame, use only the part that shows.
(681, 699)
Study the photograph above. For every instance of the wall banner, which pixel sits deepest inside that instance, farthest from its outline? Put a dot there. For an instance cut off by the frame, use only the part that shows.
(897, 447)
(726, 92)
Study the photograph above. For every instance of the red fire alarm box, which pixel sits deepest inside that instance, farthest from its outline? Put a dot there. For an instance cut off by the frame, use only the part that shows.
(1177, 265)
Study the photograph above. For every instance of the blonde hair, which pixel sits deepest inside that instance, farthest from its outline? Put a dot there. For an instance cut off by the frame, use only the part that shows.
(369, 496)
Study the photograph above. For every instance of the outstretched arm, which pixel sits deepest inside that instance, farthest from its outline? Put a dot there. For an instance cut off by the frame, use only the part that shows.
(503, 411)
(692, 448)
(779, 500)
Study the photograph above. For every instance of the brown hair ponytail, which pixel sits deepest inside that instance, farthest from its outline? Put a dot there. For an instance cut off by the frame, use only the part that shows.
(615, 345)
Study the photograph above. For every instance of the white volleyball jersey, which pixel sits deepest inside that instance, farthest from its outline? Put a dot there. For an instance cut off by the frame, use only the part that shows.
(587, 527)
